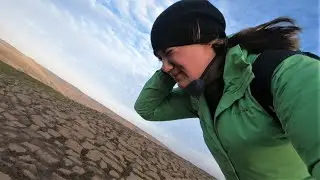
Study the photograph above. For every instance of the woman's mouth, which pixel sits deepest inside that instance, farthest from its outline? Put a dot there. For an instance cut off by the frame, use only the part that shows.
(178, 76)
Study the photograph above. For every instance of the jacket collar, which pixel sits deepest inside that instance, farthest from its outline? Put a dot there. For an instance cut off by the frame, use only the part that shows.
(237, 75)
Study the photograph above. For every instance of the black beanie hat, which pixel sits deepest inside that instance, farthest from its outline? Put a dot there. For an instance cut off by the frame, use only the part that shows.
(187, 22)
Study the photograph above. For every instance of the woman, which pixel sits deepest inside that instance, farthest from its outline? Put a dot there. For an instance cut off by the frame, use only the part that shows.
(214, 73)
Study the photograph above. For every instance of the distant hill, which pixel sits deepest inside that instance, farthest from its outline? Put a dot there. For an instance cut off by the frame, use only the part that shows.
(10, 55)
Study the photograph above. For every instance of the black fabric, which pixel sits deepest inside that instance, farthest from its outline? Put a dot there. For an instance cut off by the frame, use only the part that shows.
(195, 88)
(214, 83)
(187, 22)
(263, 69)
(213, 94)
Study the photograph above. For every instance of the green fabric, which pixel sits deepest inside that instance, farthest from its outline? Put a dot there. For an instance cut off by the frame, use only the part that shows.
(244, 140)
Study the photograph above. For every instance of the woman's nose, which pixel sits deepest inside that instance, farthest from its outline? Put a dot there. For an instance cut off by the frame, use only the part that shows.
(166, 66)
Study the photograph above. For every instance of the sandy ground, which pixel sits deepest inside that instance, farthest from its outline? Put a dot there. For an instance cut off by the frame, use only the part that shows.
(44, 135)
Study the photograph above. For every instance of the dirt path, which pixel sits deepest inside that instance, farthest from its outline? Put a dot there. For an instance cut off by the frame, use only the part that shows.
(46, 136)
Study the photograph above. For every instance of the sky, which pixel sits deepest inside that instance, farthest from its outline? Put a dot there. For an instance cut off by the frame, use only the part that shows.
(103, 48)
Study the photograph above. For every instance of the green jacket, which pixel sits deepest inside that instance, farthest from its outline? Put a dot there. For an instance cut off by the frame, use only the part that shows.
(244, 140)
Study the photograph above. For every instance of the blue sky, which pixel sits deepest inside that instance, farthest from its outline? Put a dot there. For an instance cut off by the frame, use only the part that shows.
(103, 48)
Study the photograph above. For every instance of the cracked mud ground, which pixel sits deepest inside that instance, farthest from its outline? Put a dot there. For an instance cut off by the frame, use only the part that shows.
(44, 135)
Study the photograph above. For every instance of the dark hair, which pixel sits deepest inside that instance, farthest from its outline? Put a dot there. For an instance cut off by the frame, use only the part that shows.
(280, 33)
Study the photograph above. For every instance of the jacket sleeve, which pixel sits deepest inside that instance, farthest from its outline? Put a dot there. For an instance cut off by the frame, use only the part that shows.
(159, 101)
(296, 92)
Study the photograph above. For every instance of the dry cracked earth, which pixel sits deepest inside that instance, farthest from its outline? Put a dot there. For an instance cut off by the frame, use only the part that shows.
(44, 135)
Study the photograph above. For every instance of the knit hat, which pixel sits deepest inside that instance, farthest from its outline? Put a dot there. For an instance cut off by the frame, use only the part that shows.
(187, 22)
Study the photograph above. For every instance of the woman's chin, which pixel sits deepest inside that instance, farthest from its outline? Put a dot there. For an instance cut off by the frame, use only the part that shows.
(182, 84)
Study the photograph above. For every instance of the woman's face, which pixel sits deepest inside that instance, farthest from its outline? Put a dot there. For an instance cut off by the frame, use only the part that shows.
(186, 63)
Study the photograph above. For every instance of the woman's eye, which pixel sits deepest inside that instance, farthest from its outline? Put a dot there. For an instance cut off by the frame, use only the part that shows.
(171, 61)
(168, 53)
(159, 58)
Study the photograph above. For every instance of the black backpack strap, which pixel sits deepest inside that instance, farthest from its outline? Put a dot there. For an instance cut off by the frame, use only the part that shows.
(314, 56)
(263, 69)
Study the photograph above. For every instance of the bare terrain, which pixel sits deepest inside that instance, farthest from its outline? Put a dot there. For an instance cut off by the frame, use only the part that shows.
(45, 135)
(10, 55)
